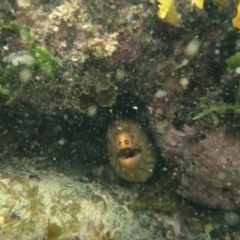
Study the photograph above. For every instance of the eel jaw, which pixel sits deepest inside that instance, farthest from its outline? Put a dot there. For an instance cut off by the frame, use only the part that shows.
(129, 158)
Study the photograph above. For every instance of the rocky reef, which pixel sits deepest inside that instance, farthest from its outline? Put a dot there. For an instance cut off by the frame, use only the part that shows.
(69, 69)
(198, 131)
(33, 210)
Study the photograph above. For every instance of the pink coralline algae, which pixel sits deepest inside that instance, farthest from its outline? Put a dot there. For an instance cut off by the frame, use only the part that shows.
(208, 160)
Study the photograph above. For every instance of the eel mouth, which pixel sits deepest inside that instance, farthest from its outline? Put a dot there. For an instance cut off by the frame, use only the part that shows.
(129, 158)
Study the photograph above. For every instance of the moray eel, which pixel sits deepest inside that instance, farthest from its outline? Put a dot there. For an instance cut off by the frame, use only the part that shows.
(130, 152)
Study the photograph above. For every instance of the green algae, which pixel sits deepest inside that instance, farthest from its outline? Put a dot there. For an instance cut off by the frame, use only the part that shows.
(233, 63)
(43, 57)
(43, 60)
(162, 196)
(218, 109)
